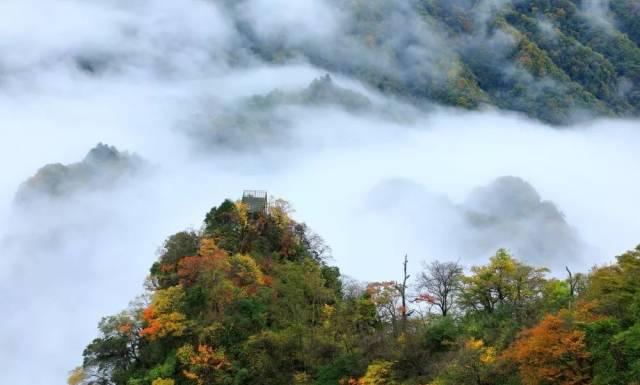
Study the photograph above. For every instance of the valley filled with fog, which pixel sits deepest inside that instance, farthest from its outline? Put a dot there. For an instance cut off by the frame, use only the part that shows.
(195, 116)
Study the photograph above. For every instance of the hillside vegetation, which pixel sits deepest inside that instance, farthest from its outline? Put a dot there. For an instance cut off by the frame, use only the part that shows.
(557, 61)
(251, 299)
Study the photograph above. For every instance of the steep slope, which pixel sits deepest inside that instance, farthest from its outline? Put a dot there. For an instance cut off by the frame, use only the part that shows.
(558, 61)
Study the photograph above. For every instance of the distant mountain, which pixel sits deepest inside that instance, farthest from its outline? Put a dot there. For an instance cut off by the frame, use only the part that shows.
(506, 213)
(258, 119)
(509, 212)
(321, 91)
(102, 168)
(559, 61)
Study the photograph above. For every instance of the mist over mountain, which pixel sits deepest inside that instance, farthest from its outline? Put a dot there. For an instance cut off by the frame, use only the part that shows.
(508, 212)
(557, 62)
(388, 125)
(263, 120)
(102, 168)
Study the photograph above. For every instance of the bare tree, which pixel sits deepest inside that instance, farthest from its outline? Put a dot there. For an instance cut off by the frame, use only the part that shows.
(390, 298)
(441, 281)
(402, 290)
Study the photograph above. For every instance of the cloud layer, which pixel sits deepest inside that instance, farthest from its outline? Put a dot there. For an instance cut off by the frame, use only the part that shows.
(148, 76)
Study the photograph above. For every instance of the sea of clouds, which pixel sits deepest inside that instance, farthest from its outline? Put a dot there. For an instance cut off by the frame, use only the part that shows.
(147, 76)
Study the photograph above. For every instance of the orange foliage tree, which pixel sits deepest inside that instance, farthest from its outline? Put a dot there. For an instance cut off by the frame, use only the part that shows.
(210, 258)
(552, 352)
(164, 317)
(205, 365)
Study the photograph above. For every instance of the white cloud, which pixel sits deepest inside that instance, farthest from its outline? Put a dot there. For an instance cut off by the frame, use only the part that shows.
(297, 22)
(65, 265)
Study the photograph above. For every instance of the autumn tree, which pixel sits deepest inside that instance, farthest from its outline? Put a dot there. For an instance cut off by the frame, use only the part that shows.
(245, 272)
(209, 258)
(76, 376)
(165, 315)
(163, 381)
(616, 287)
(473, 363)
(378, 373)
(504, 281)
(176, 247)
(552, 352)
(614, 337)
(387, 300)
(252, 300)
(204, 365)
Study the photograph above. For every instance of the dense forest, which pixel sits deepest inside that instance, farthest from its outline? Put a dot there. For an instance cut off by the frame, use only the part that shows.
(557, 61)
(250, 298)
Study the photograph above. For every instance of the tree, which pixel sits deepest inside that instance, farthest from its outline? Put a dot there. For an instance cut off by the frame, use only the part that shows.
(225, 224)
(552, 352)
(616, 287)
(245, 271)
(386, 298)
(179, 245)
(165, 317)
(76, 376)
(209, 259)
(402, 291)
(614, 337)
(205, 365)
(503, 282)
(163, 381)
(472, 364)
(390, 298)
(378, 373)
(576, 284)
(442, 282)
(109, 358)
(313, 242)
(174, 249)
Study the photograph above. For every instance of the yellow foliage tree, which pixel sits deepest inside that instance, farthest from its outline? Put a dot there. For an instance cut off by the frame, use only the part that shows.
(245, 271)
(76, 376)
(163, 316)
(163, 381)
(378, 373)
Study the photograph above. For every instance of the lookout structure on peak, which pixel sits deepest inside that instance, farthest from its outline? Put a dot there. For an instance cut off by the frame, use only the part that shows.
(257, 201)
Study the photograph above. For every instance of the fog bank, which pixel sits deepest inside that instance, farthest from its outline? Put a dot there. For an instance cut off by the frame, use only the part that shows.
(152, 78)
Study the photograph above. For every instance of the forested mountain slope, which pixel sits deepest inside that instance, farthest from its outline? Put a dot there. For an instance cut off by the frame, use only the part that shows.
(556, 60)
(251, 299)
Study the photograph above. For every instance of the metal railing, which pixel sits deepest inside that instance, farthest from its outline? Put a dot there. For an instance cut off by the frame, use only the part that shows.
(254, 194)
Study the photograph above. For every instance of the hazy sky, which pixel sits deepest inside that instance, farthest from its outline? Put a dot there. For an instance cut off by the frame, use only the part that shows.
(159, 70)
